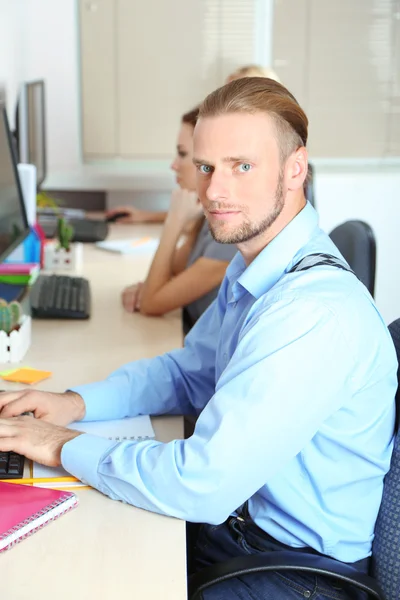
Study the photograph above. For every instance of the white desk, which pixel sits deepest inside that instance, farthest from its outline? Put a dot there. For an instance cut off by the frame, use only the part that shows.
(102, 550)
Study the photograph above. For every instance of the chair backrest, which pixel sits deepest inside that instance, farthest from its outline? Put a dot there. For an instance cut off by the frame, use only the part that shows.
(386, 546)
(356, 241)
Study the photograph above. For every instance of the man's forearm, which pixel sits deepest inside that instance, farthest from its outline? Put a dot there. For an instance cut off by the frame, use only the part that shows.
(155, 386)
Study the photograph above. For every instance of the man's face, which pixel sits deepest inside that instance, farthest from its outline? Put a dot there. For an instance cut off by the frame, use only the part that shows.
(239, 175)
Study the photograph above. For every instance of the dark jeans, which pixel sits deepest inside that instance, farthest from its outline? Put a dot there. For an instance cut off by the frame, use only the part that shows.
(235, 537)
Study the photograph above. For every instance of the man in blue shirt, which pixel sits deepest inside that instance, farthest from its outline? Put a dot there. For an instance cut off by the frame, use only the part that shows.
(292, 374)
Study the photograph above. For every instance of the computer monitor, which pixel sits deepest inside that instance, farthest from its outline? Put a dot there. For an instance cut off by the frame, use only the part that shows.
(31, 128)
(14, 226)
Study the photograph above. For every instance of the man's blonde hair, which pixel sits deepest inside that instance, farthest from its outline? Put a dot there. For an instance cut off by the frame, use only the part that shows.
(260, 94)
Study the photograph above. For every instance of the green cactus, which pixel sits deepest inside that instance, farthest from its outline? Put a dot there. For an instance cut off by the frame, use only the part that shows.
(10, 315)
(5, 319)
(16, 312)
(64, 233)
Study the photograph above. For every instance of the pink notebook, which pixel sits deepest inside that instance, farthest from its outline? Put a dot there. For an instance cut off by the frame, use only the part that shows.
(18, 268)
(26, 509)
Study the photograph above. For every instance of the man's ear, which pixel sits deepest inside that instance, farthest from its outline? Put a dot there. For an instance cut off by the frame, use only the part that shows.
(297, 169)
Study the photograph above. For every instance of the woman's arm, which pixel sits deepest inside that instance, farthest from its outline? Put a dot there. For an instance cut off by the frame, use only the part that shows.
(132, 295)
(194, 282)
(183, 214)
(182, 253)
(136, 215)
(156, 293)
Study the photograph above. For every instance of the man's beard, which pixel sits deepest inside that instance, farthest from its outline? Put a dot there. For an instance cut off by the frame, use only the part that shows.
(247, 230)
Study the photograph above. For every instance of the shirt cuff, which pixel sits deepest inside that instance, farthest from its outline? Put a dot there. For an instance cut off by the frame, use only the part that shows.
(82, 456)
(101, 401)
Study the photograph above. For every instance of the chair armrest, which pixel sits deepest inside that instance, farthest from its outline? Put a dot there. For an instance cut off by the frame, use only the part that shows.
(282, 561)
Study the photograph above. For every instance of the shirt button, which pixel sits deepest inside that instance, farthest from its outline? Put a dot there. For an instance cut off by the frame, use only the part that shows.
(307, 594)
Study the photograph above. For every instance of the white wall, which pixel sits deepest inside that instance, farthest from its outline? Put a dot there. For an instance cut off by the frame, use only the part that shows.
(12, 53)
(51, 45)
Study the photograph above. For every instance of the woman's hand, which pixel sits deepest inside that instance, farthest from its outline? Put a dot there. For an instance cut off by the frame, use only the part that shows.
(185, 207)
(131, 297)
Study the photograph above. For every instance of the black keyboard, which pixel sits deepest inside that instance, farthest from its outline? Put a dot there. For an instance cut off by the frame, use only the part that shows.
(11, 465)
(85, 230)
(60, 297)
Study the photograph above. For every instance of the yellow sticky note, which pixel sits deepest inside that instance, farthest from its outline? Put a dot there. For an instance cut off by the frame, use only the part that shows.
(9, 371)
(27, 376)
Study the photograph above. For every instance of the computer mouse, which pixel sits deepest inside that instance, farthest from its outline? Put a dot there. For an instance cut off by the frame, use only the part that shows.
(118, 215)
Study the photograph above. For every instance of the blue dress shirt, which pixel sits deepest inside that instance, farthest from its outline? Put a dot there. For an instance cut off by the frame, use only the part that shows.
(294, 378)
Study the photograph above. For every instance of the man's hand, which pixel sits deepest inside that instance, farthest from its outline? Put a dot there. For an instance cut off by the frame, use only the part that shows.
(184, 208)
(131, 297)
(59, 409)
(35, 439)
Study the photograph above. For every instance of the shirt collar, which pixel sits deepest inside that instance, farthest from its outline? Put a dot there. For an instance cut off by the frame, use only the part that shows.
(272, 262)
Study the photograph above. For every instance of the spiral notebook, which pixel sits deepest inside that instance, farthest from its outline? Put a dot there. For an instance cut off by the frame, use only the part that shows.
(132, 428)
(26, 509)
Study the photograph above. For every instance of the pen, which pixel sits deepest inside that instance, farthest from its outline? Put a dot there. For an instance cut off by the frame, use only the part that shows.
(140, 241)
(42, 480)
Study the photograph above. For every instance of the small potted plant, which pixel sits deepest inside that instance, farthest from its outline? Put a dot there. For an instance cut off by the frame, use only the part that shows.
(44, 200)
(65, 234)
(62, 254)
(10, 316)
(15, 332)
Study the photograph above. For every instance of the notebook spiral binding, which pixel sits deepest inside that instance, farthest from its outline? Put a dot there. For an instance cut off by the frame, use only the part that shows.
(136, 438)
(37, 515)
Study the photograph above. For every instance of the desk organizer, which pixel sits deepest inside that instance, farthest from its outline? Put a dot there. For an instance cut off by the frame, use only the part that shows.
(60, 259)
(14, 346)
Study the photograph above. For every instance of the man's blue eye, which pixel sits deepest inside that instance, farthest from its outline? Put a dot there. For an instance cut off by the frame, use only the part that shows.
(205, 169)
(244, 167)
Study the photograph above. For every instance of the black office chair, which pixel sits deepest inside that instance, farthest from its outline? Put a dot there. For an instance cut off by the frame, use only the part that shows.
(384, 582)
(356, 241)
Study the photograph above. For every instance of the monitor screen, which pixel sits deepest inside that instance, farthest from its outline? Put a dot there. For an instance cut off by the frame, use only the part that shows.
(31, 128)
(13, 222)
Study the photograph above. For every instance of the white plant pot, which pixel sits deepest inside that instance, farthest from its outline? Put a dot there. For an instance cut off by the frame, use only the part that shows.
(59, 259)
(14, 346)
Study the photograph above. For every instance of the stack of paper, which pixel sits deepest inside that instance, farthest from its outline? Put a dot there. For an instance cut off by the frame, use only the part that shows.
(144, 245)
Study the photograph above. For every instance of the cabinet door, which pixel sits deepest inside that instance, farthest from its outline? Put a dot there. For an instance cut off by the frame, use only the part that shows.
(98, 77)
(394, 120)
(160, 72)
(144, 64)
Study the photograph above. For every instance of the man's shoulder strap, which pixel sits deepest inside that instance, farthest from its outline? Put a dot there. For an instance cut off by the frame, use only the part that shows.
(320, 259)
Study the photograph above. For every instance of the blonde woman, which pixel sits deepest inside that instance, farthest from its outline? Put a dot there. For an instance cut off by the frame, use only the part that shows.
(253, 71)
